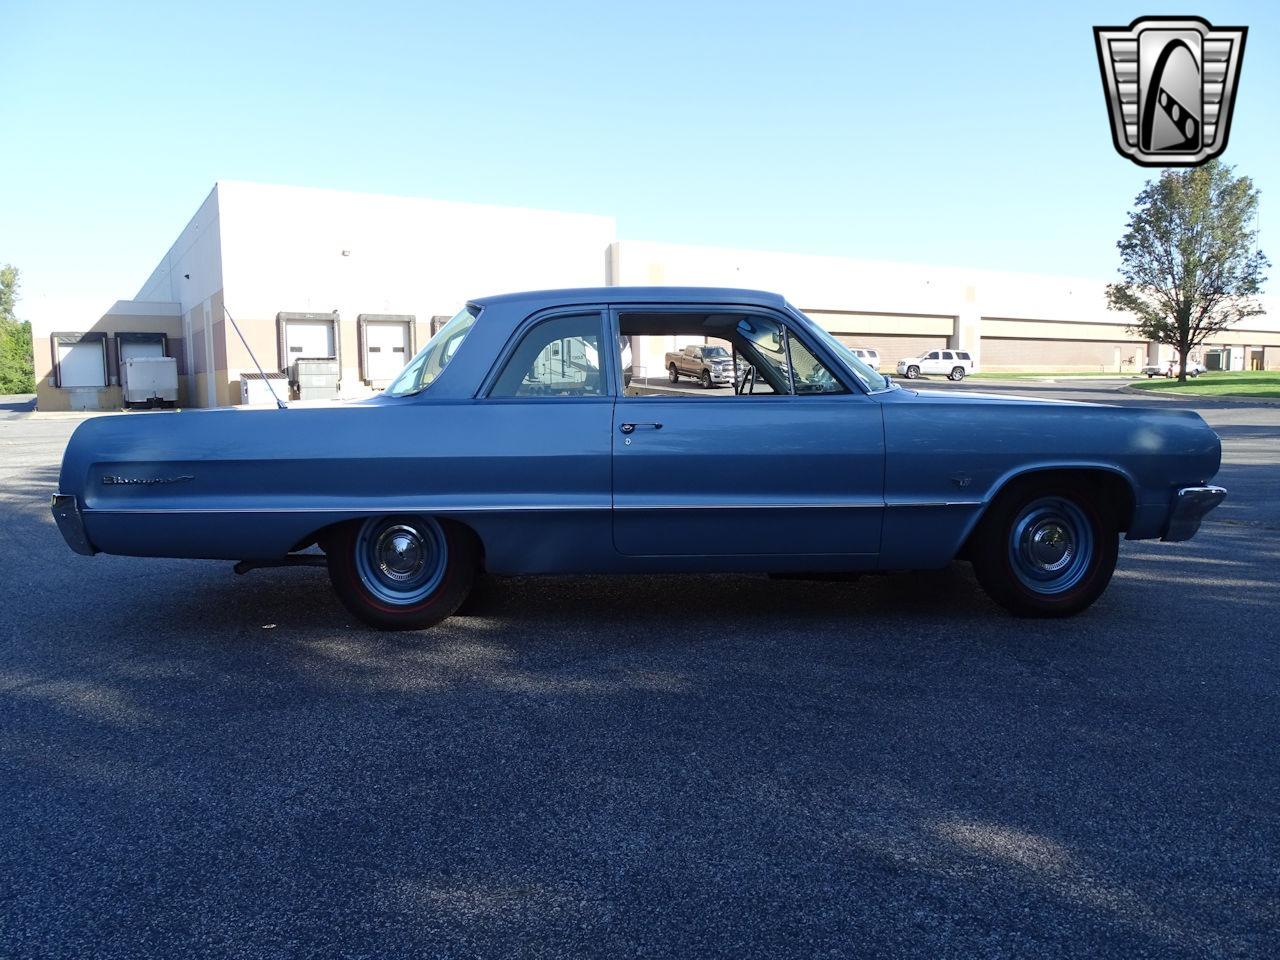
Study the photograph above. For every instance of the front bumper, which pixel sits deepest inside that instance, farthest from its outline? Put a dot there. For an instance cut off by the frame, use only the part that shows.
(1190, 504)
(66, 514)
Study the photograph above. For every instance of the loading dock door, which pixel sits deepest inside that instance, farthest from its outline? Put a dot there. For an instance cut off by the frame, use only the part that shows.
(82, 364)
(139, 348)
(387, 349)
(308, 340)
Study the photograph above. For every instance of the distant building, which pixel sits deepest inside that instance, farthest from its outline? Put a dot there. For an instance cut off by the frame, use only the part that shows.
(361, 281)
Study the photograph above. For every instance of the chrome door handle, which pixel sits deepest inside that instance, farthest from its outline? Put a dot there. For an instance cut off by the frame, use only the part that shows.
(630, 427)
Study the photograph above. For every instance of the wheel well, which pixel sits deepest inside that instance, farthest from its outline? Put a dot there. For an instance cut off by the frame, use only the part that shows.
(320, 537)
(1112, 493)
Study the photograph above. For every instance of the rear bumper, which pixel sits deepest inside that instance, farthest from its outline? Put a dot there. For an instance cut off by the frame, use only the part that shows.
(1190, 504)
(66, 514)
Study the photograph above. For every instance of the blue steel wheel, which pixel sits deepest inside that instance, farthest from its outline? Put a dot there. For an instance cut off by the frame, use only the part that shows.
(401, 561)
(1050, 545)
(1046, 550)
(402, 572)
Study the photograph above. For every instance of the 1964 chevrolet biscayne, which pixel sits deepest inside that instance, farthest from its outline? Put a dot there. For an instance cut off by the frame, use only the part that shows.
(520, 440)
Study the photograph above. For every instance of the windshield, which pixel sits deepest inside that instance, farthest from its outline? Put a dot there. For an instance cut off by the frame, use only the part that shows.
(870, 379)
(715, 353)
(423, 369)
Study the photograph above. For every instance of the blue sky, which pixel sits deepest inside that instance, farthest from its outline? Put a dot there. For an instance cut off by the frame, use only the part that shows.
(960, 134)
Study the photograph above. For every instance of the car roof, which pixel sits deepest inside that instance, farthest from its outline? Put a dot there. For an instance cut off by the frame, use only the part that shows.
(619, 295)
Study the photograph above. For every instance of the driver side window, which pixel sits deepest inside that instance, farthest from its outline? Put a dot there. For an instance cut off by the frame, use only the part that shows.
(717, 355)
(808, 373)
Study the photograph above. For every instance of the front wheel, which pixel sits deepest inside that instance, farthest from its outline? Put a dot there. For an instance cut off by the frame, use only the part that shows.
(1045, 552)
(706, 380)
(913, 372)
(401, 572)
(957, 374)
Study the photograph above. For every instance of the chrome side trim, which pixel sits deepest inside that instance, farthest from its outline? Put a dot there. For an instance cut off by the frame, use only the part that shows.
(373, 511)
(936, 503)
(66, 514)
(829, 505)
(536, 508)
(1190, 504)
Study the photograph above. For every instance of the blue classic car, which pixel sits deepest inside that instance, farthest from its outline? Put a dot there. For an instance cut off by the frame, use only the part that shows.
(525, 438)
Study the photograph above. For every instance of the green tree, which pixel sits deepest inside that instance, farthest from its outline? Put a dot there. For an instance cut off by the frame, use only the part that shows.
(16, 372)
(1189, 260)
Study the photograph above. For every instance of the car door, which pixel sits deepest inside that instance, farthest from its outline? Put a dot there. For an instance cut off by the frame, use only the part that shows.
(547, 419)
(731, 475)
(932, 363)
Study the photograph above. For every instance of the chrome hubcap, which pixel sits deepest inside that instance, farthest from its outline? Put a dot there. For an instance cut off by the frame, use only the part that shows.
(1051, 545)
(400, 553)
(401, 561)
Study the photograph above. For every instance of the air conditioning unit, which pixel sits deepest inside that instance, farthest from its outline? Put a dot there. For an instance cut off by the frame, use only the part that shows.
(257, 387)
(149, 381)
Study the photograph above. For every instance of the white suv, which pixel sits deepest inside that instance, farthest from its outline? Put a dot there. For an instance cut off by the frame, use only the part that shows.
(953, 364)
(868, 356)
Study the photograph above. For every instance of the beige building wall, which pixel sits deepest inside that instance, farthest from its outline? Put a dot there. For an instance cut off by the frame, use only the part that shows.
(1008, 321)
(125, 316)
(266, 250)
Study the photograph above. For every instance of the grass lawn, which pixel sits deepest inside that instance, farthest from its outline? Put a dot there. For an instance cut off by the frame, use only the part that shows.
(1040, 376)
(1238, 383)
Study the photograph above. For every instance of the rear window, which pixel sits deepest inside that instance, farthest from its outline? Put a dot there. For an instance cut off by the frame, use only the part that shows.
(431, 360)
(964, 356)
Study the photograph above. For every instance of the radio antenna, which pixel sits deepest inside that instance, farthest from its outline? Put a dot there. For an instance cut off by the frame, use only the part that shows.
(279, 403)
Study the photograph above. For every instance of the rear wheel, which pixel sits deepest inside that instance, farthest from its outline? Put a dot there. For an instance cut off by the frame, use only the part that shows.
(1045, 551)
(913, 372)
(673, 373)
(957, 373)
(402, 572)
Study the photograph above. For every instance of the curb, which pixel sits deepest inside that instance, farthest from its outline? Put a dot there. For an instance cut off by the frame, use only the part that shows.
(1205, 398)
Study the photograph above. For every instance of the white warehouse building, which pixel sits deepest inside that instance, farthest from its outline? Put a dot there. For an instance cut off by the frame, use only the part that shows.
(334, 291)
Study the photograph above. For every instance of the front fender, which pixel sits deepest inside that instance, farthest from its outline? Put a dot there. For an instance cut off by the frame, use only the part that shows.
(950, 455)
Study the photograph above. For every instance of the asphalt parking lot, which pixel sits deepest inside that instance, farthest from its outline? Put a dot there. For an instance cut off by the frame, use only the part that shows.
(198, 764)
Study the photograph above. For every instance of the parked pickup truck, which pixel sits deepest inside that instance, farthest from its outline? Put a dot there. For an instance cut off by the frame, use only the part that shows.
(709, 364)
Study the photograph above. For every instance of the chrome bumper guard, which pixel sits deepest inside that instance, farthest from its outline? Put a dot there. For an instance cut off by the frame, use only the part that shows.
(1190, 504)
(66, 514)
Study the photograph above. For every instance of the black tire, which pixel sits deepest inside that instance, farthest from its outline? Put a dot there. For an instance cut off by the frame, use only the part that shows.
(957, 374)
(425, 594)
(484, 592)
(1014, 550)
(913, 372)
(706, 380)
(673, 373)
